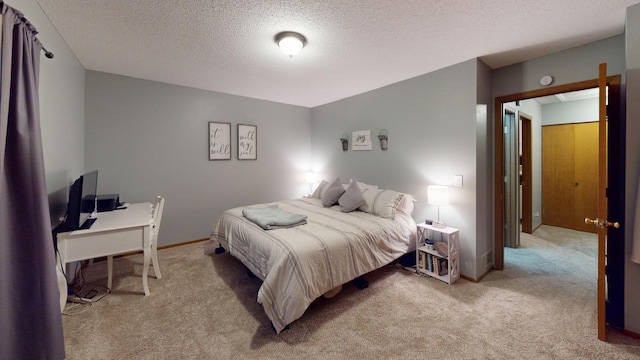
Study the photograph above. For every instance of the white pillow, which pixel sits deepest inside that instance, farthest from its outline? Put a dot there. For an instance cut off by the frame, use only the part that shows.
(364, 186)
(317, 193)
(361, 185)
(383, 203)
(407, 205)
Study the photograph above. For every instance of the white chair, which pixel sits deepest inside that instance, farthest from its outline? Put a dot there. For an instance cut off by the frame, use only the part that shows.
(155, 228)
(156, 218)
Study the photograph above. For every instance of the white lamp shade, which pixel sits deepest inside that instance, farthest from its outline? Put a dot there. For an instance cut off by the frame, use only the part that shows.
(290, 45)
(438, 195)
(311, 178)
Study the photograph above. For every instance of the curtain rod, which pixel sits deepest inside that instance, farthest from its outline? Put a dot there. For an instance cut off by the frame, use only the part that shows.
(47, 53)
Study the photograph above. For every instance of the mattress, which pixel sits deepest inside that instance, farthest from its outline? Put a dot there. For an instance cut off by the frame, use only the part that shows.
(301, 263)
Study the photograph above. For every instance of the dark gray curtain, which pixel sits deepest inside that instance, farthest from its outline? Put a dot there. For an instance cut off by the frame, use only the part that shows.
(30, 318)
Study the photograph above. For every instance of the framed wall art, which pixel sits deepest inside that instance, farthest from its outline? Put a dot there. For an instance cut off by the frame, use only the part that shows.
(247, 142)
(219, 141)
(361, 140)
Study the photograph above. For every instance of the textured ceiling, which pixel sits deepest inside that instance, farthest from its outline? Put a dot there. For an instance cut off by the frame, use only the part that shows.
(353, 46)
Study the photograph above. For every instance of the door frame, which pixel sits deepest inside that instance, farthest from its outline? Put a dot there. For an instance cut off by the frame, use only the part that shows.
(498, 258)
(527, 176)
(615, 249)
(511, 151)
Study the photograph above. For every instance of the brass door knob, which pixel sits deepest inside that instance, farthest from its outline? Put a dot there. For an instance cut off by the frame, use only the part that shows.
(613, 224)
(601, 223)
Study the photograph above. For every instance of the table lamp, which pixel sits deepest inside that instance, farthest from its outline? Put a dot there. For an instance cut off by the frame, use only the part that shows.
(438, 195)
(311, 178)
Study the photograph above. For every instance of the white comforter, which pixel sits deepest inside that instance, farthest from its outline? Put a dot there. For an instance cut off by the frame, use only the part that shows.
(299, 264)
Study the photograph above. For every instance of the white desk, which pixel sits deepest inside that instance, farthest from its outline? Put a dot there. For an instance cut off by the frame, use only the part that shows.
(114, 232)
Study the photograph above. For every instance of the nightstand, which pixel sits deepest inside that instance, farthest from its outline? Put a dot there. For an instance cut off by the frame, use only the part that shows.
(443, 265)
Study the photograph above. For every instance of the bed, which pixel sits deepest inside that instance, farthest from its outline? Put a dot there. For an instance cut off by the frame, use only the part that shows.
(335, 244)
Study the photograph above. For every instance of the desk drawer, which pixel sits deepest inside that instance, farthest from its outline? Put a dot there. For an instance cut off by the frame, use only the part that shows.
(114, 242)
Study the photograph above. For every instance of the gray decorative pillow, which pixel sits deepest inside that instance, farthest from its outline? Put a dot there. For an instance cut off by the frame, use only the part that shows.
(333, 193)
(352, 198)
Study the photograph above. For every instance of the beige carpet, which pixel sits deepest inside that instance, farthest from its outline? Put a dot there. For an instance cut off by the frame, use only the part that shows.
(542, 306)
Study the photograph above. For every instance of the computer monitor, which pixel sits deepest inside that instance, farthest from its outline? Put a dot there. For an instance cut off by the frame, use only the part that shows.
(82, 202)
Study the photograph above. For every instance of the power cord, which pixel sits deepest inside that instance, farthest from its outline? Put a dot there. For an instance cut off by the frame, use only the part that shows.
(80, 295)
(76, 308)
(91, 296)
(76, 299)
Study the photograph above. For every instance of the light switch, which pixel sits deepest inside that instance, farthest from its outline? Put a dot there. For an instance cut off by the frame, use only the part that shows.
(457, 181)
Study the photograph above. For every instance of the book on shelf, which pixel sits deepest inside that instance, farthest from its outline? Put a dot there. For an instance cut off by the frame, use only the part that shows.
(443, 266)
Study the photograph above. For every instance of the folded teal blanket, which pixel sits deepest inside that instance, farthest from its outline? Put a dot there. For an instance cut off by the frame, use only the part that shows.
(273, 217)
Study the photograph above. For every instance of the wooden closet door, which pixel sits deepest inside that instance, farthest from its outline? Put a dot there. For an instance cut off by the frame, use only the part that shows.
(586, 175)
(557, 175)
(569, 174)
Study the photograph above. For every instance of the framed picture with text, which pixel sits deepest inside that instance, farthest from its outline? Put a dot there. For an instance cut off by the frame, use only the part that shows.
(361, 140)
(247, 142)
(219, 141)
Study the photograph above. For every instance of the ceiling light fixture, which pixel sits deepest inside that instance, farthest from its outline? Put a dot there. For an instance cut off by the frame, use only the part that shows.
(290, 42)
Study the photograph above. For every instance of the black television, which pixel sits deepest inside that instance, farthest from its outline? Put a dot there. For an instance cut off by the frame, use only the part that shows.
(82, 202)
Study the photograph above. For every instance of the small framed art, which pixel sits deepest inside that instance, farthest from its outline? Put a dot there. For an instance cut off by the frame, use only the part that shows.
(219, 141)
(247, 142)
(361, 140)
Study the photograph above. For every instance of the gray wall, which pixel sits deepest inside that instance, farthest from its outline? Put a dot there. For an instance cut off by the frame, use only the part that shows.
(61, 110)
(484, 171)
(569, 66)
(570, 112)
(632, 270)
(148, 138)
(433, 135)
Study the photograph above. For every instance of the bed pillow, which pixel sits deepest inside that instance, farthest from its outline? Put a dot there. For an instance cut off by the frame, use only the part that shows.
(333, 193)
(364, 186)
(382, 202)
(352, 198)
(407, 205)
(361, 185)
(321, 189)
